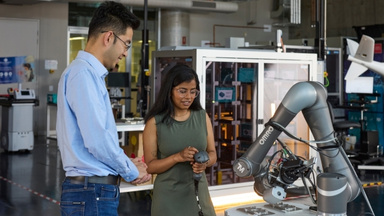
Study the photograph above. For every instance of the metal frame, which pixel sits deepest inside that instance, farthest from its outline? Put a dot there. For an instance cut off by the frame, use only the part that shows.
(199, 58)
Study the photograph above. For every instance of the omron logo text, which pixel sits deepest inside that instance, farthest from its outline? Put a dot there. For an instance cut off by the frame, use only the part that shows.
(266, 135)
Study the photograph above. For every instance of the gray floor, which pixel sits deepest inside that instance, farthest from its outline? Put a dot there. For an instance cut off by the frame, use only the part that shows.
(30, 185)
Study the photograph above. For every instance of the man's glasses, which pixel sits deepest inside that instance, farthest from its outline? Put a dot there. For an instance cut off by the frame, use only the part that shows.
(183, 92)
(127, 45)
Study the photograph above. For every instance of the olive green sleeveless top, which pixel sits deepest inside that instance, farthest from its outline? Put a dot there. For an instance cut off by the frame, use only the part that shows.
(174, 190)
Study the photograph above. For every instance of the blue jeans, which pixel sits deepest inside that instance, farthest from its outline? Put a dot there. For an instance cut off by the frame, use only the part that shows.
(89, 199)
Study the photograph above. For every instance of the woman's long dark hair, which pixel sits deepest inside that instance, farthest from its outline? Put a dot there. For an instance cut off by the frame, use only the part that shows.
(163, 105)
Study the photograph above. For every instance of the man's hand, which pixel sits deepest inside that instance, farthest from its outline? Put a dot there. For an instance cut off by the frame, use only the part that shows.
(143, 175)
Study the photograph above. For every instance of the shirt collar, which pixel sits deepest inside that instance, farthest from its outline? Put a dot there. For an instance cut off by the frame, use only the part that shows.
(100, 70)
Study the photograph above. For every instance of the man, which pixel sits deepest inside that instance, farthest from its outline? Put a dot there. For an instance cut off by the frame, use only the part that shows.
(86, 129)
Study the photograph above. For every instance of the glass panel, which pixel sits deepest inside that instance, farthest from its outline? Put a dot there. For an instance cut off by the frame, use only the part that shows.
(278, 79)
(163, 65)
(76, 42)
(233, 101)
(230, 90)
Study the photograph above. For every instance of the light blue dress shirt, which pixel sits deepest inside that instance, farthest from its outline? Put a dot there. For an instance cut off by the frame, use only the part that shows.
(86, 129)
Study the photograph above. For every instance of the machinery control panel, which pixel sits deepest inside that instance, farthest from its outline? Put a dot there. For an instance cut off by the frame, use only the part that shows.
(24, 94)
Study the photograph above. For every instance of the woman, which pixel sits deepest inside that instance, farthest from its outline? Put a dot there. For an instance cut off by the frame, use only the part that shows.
(176, 128)
(29, 75)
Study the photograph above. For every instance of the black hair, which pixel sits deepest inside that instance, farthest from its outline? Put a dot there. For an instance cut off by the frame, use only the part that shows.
(112, 16)
(31, 75)
(163, 105)
(27, 65)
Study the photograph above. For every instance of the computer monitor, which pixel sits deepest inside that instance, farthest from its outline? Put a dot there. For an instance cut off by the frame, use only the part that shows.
(118, 79)
(360, 85)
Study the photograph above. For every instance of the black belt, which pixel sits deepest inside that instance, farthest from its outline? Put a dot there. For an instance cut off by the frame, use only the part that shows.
(112, 180)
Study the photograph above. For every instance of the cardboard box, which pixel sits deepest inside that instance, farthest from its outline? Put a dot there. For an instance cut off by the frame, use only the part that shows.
(135, 145)
(135, 149)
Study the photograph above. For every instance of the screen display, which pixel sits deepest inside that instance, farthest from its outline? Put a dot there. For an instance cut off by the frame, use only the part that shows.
(333, 69)
(118, 79)
(24, 92)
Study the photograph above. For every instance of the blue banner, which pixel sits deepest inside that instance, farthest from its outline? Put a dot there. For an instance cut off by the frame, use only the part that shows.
(17, 69)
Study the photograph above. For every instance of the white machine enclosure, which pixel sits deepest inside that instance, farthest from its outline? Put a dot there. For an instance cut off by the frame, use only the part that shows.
(254, 94)
(274, 74)
(17, 127)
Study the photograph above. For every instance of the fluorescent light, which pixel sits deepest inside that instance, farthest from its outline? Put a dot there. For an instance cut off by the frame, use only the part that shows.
(273, 109)
(77, 38)
(141, 41)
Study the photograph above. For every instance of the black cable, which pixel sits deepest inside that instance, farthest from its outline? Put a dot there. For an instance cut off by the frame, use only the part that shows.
(314, 182)
(286, 148)
(273, 155)
(197, 197)
(307, 188)
(278, 127)
(344, 155)
(269, 166)
(318, 149)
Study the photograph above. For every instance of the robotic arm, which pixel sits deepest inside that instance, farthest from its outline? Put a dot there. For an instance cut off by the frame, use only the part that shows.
(310, 98)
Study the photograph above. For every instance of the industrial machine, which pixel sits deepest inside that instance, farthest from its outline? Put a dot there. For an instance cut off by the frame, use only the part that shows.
(17, 119)
(361, 56)
(336, 185)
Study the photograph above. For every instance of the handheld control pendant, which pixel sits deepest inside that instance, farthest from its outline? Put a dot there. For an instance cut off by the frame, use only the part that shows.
(200, 157)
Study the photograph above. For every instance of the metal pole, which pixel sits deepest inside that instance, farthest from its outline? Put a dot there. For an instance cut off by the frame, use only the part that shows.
(320, 23)
(144, 64)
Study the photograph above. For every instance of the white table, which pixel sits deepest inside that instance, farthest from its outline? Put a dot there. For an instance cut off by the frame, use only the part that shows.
(127, 187)
(124, 127)
(214, 191)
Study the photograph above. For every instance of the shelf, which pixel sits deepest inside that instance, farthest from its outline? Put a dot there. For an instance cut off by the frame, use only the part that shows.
(245, 120)
(227, 102)
(232, 142)
(245, 139)
(224, 121)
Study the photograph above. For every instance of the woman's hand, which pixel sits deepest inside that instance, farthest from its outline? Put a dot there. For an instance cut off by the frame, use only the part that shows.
(199, 167)
(186, 154)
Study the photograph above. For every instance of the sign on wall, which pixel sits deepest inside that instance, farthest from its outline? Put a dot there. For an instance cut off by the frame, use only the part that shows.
(19, 45)
(17, 69)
